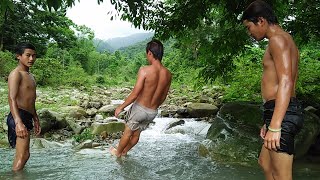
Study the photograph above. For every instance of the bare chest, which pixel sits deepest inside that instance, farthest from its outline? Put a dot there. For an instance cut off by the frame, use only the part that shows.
(28, 84)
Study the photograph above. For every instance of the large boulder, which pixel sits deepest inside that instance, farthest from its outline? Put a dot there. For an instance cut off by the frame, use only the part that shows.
(197, 110)
(47, 120)
(108, 110)
(75, 112)
(234, 134)
(50, 120)
(308, 134)
(111, 127)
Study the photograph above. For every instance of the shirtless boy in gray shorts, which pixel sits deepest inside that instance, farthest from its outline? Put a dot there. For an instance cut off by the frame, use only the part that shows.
(148, 94)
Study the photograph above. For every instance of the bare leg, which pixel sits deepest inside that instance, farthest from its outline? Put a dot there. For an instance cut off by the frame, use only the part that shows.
(281, 165)
(265, 163)
(133, 141)
(124, 141)
(22, 153)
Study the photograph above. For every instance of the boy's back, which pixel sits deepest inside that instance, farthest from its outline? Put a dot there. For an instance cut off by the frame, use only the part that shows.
(156, 85)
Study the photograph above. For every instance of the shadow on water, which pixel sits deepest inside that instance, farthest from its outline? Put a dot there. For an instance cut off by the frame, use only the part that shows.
(159, 155)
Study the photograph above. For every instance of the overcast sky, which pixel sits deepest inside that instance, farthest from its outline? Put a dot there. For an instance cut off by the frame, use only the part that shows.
(94, 16)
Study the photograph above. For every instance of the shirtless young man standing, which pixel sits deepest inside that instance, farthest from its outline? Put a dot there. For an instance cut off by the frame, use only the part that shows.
(148, 94)
(282, 112)
(21, 97)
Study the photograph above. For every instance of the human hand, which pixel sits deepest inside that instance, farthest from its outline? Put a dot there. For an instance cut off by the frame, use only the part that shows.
(272, 140)
(117, 111)
(263, 131)
(37, 128)
(21, 130)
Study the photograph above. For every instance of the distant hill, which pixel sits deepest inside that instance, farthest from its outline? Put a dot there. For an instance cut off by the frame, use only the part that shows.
(120, 42)
(102, 45)
(140, 47)
(114, 44)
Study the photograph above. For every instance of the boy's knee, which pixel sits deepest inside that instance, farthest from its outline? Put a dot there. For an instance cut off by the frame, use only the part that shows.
(264, 164)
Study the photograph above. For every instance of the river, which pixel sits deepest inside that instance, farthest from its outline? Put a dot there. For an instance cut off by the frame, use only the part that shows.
(160, 154)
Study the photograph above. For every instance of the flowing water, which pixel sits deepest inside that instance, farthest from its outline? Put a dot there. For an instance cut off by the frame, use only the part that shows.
(159, 155)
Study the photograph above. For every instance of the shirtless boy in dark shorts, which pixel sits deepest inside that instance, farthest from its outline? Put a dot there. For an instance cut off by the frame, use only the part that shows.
(21, 97)
(148, 94)
(282, 111)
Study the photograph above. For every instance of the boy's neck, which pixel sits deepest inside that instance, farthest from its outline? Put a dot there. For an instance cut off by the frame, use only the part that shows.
(24, 68)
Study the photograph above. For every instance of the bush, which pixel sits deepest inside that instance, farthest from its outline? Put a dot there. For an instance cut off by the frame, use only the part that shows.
(308, 86)
(47, 71)
(86, 134)
(100, 80)
(245, 79)
(7, 63)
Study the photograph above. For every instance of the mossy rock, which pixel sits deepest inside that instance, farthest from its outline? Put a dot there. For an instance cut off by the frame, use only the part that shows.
(111, 127)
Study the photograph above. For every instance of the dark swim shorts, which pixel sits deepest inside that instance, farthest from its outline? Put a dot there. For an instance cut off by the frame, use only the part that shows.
(291, 124)
(26, 118)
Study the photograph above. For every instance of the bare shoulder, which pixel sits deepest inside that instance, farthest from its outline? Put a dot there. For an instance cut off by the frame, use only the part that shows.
(167, 71)
(281, 41)
(14, 74)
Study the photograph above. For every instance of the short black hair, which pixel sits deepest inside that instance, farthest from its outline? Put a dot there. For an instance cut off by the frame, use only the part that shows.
(258, 9)
(22, 46)
(156, 48)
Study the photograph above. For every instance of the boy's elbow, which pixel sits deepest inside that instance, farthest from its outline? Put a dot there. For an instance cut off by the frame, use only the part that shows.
(287, 84)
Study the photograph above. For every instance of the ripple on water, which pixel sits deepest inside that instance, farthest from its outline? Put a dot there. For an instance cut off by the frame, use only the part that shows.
(158, 155)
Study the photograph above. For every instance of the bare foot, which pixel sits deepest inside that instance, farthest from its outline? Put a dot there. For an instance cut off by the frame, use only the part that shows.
(113, 151)
(123, 153)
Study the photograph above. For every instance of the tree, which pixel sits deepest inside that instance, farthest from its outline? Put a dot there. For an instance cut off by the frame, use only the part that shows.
(28, 21)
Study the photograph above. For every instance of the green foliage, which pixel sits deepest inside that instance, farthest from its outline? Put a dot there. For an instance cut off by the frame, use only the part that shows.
(86, 134)
(4, 106)
(244, 83)
(309, 77)
(7, 62)
(100, 80)
(75, 76)
(27, 21)
(47, 71)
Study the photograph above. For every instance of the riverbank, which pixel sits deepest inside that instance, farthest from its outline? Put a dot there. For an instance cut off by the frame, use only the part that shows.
(90, 99)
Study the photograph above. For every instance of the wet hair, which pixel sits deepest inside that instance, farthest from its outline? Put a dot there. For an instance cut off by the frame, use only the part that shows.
(21, 47)
(156, 48)
(259, 9)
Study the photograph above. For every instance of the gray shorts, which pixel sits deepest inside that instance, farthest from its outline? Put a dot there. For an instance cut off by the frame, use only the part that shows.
(139, 117)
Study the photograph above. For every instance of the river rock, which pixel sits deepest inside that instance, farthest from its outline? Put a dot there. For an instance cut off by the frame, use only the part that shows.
(47, 120)
(98, 117)
(108, 110)
(4, 124)
(39, 143)
(91, 112)
(112, 127)
(201, 110)
(175, 123)
(4, 141)
(76, 127)
(308, 134)
(86, 144)
(75, 112)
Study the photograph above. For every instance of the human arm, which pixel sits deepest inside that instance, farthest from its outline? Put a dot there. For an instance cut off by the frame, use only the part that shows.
(280, 52)
(14, 80)
(263, 131)
(36, 122)
(134, 93)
